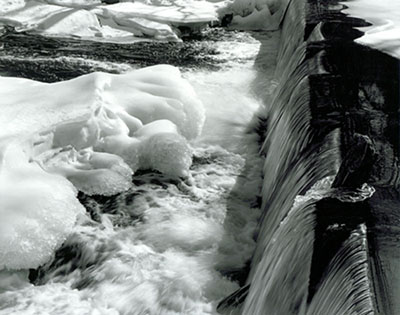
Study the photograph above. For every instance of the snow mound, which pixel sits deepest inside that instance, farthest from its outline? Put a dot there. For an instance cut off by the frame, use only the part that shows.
(89, 134)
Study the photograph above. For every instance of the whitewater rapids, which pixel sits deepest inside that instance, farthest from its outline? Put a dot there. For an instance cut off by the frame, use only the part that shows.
(173, 241)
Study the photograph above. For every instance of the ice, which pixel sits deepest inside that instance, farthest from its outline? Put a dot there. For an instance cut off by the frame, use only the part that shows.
(166, 246)
(90, 172)
(53, 20)
(384, 33)
(37, 210)
(163, 149)
(73, 22)
(74, 3)
(10, 5)
(188, 12)
(121, 22)
(93, 132)
(255, 14)
(137, 26)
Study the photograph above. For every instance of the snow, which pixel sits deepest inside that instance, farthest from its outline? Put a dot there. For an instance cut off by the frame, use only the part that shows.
(94, 132)
(121, 22)
(384, 33)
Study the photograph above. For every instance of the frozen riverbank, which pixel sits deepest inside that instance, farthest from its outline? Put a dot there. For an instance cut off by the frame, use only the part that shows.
(167, 245)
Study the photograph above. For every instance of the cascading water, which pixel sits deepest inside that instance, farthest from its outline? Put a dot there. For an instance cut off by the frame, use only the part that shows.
(286, 276)
(167, 245)
(345, 286)
(182, 245)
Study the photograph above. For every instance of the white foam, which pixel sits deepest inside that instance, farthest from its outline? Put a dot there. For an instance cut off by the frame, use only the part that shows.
(161, 246)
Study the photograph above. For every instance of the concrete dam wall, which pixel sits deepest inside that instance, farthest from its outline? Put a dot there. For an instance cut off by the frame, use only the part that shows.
(332, 140)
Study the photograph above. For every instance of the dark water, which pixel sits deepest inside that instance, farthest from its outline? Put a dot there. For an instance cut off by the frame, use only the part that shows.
(53, 59)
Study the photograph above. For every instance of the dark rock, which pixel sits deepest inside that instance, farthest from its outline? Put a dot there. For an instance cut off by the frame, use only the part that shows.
(226, 20)
(357, 163)
(109, 1)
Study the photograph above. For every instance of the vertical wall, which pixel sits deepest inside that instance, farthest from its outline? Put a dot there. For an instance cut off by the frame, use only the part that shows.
(359, 92)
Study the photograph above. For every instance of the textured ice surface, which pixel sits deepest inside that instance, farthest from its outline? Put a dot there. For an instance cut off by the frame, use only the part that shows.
(121, 22)
(186, 13)
(10, 5)
(167, 245)
(384, 15)
(37, 210)
(93, 131)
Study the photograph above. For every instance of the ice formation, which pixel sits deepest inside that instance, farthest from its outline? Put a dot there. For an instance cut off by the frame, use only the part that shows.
(10, 5)
(94, 132)
(255, 14)
(122, 22)
(384, 33)
(167, 246)
(37, 210)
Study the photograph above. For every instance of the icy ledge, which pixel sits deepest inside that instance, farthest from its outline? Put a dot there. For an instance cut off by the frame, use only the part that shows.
(384, 32)
(121, 22)
(89, 134)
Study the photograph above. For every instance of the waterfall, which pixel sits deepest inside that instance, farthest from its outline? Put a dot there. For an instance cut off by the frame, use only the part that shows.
(305, 141)
(285, 204)
(345, 286)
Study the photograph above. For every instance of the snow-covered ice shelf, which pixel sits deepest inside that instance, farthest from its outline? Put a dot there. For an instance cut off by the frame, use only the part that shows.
(121, 22)
(94, 132)
(384, 15)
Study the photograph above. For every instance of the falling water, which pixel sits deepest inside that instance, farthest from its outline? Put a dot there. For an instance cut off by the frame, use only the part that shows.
(166, 246)
(345, 287)
(298, 155)
(180, 246)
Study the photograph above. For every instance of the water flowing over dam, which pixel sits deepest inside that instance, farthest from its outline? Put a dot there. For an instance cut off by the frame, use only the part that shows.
(331, 140)
(246, 170)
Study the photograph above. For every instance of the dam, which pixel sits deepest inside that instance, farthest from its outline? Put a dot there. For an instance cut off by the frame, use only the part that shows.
(259, 178)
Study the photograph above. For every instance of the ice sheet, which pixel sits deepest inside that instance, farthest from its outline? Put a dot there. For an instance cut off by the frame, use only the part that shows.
(92, 20)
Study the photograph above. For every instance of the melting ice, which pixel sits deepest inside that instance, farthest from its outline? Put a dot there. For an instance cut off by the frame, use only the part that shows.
(130, 21)
(174, 240)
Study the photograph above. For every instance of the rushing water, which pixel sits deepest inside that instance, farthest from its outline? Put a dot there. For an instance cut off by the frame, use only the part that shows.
(180, 246)
(167, 246)
(289, 273)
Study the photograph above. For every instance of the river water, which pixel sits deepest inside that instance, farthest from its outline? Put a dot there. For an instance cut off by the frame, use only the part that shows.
(166, 246)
